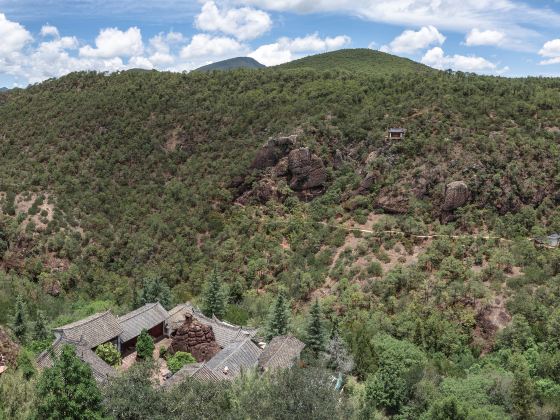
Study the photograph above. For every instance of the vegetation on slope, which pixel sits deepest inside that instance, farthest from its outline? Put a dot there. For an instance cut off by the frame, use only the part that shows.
(110, 180)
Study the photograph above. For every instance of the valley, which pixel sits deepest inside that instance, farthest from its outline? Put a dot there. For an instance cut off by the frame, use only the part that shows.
(426, 255)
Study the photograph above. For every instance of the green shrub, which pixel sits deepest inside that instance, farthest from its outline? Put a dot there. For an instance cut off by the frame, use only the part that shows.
(375, 269)
(109, 354)
(178, 360)
(145, 346)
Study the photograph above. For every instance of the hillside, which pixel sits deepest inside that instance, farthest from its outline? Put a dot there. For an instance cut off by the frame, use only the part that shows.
(418, 250)
(232, 64)
(359, 60)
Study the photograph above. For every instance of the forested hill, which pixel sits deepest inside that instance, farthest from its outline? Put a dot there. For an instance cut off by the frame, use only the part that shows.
(232, 64)
(359, 60)
(107, 180)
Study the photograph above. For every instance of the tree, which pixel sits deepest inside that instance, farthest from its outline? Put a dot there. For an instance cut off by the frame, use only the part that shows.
(145, 346)
(25, 364)
(447, 409)
(19, 324)
(17, 396)
(214, 299)
(278, 319)
(68, 390)
(155, 289)
(133, 394)
(109, 354)
(339, 358)
(40, 331)
(315, 338)
(522, 393)
(400, 365)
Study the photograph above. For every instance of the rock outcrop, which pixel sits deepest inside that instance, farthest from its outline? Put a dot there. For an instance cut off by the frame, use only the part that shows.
(264, 191)
(274, 150)
(195, 338)
(392, 202)
(279, 161)
(456, 195)
(306, 170)
(338, 160)
(9, 349)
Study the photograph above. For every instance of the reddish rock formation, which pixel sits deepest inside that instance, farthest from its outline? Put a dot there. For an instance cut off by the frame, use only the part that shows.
(276, 148)
(195, 338)
(306, 170)
(456, 195)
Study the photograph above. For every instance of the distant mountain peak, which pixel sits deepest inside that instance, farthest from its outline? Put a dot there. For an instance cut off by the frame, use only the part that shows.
(233, 63)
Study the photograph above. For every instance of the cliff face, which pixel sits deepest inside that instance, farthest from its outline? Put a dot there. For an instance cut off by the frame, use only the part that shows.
(195, 338)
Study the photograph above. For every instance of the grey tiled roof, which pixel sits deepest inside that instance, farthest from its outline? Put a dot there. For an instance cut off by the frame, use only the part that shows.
(237, 356)
(396, 130)
(193, 370)
(224, 332)
(93, 330)
(101, 370)
(145, 317)
(281, 352)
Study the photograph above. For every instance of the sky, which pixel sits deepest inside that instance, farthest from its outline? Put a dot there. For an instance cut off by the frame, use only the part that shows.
(41, 39)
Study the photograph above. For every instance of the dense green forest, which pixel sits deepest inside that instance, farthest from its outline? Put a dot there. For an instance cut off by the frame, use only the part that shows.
(110, 183)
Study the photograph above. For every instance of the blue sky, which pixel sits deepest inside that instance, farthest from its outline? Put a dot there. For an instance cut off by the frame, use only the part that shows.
(40, 39)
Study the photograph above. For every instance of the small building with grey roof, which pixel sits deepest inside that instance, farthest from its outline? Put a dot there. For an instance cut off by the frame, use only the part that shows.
(151, 317)
(234, 358)
(101, 371)
(94, 330)
(282, 352)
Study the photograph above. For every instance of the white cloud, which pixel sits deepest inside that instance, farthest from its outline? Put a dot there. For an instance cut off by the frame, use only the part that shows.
(551, 51)
(287, 49)
(112, 42)
(212, 47)
(488, 37)
(160, 48)
(13, 36)
(436, 58)
(410, 42)
(244, 23)
(517, 19)
(49, 30)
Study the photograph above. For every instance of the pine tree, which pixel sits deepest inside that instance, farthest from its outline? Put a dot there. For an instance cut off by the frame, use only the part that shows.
(40, 331)
(315, 339)
(68, 390)
(278, 319)
(145, 346)
(155, 289)
(214, 299)
(19, 324)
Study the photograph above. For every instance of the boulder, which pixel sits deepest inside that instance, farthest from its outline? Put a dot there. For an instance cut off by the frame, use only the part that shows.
(265, 190)
(457, 194)
(274, 150)
(195, 338)
(394, 202)
(367, 183)
(338, 160)
(306, 170)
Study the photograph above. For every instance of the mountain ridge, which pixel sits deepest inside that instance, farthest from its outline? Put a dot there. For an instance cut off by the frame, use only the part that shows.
(232, 64)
